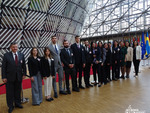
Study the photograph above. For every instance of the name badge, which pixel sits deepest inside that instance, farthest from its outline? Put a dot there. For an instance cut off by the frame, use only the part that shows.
(38, 59)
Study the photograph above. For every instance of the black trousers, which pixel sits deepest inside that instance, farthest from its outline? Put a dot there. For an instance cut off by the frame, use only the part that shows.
(79, 68)
(87, 73)
(72, 72)
(96, 69)
(13, 93)
(107, 71)
(115, 71)
(136, 65)
(103, 77)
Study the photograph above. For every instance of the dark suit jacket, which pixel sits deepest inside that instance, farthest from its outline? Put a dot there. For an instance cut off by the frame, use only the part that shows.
(34, 66)
(108, 56)
(97, 53)
(88, 55)
(10, 70)
(78, 53)
(66, 58)
(116, 54)
(47, 70)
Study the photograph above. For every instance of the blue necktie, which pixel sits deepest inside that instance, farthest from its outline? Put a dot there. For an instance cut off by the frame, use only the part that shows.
(68, 51)
(56, 49)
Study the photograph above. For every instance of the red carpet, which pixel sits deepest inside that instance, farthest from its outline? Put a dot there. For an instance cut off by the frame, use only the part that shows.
(26, 84)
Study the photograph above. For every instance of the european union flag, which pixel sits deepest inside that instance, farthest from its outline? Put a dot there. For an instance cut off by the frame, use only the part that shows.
(143, 45)
(147, 45)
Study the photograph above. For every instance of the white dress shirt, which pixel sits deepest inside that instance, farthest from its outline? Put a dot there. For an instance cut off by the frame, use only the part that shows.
(14, 55)
(56, 46)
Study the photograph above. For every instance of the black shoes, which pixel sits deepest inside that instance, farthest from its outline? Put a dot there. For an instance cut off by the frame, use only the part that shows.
(81, 87)
(10, 109)
(50, 99)
(55, 95)
(36, 104)
(68, 91)
(127, 76)
(95, 84)
(19, 106)
(114, 79)
(122, 77)
(90, 85)
(87, 86)
(99, 85)
(76, 89)
(62, 92)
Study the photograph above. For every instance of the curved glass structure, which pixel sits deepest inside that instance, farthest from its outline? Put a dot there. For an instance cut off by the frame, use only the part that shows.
(31, 23)
(116, 17)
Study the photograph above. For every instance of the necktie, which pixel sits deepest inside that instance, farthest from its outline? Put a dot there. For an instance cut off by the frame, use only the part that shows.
(56, 49)
(16, 59)
(68, 52)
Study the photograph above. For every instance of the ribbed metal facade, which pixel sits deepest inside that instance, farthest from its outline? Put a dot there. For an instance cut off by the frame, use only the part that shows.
(31, 23)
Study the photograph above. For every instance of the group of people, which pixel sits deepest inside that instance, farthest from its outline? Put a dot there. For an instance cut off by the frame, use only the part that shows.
(75, 60)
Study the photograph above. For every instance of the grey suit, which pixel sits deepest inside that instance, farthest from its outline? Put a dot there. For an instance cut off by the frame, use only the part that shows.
(13, 73)
(58, 67)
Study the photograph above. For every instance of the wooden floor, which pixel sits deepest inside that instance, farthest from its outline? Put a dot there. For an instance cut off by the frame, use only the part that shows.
(111, 98)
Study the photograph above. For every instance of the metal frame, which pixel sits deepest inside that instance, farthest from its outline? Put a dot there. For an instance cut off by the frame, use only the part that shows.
(110, 17)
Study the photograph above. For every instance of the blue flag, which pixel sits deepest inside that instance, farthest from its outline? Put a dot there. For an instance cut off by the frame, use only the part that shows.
(147, 45)
(143, 45)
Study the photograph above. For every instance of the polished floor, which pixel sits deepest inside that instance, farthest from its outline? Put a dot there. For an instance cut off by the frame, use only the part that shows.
(114, 97)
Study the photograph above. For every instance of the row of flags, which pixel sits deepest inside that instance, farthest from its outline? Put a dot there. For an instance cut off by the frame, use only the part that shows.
(145, 44)
(144, 41)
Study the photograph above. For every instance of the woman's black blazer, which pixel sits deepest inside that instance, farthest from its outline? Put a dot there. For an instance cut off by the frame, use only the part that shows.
(47, 70)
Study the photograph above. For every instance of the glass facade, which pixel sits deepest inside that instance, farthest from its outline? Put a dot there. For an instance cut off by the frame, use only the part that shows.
(31, 23)
(108, 17)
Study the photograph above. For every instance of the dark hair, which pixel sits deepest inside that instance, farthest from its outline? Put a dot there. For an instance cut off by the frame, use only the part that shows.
(109, 45)
(46, 48)
(65, 41)
(134, 42)
(32, 51)
(101, 43)
(114, 43)
(77, 36)
(92, 44)
(53, 36)
(128, 42)
(123, 43)
(105, 43)
(13, 43)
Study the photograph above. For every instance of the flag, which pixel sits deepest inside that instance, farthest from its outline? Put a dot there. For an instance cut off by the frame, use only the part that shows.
(133, 39)
(143, 45)
(147, 45)
(138, 40)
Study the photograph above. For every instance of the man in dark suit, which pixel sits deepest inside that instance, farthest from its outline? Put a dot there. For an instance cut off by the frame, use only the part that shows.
(13, 71)
(78, 51)
(67, 58)
(88, 58)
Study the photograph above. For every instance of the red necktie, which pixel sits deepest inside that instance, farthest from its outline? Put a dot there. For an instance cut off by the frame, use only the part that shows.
(16, 59)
